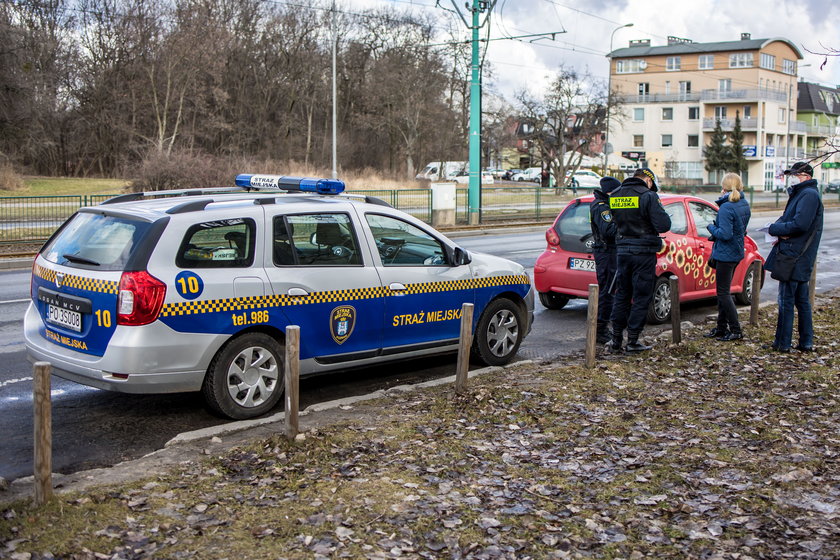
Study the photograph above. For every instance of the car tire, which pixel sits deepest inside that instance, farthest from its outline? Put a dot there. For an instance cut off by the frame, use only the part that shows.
(751, 276)
(553, 300)
(245, 378)
(499, 333)
(660, 305)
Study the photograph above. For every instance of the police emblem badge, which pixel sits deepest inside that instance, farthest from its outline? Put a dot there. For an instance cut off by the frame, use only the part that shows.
(342, 322)
(606, 215)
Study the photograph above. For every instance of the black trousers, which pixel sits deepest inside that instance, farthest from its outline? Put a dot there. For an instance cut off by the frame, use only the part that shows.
(636, 279)
(605, 267)
(727, 320)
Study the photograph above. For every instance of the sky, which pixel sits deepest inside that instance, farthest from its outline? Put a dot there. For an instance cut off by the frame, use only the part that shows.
(586, 28)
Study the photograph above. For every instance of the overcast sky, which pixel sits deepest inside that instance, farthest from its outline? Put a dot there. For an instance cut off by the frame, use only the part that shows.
(812, 25)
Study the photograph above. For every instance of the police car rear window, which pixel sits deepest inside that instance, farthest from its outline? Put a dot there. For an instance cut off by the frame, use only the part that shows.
(96, 241)
(218, 244)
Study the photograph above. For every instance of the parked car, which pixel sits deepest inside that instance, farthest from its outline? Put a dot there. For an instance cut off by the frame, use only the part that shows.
(832, 187)
(179, 291)
(567, 267)
(531, 174)
(583, 179)
(463, 178)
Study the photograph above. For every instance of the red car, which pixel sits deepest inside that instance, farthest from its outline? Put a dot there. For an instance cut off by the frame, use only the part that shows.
(567, 267)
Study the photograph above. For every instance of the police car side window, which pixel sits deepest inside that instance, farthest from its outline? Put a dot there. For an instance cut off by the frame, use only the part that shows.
(703, 215)
(403, 244)
(316, 240)
(218, 244)
(679, 221)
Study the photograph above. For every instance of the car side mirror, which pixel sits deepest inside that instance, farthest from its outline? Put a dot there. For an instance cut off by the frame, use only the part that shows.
(461, 257)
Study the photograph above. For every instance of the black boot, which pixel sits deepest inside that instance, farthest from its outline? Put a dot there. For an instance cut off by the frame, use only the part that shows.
(602, 335)
(614, 344)
(633, 345)
(716, 333)
(733, 335)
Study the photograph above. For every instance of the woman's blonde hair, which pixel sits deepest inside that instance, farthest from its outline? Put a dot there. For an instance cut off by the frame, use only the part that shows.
(732, 184)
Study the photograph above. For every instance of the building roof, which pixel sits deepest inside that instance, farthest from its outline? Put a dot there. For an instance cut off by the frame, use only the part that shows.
(695, 48)
(817, 98)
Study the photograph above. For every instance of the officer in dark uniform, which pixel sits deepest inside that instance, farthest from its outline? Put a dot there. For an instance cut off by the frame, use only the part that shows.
(603, 248)
(639, 219)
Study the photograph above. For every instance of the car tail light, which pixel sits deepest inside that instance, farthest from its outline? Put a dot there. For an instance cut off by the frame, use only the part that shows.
(552, 237)
(140, 298)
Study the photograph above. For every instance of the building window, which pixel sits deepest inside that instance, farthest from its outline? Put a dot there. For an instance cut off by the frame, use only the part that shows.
(768, 61)
(667, 141)
(644, 90)
(694, 113)
(638, 140)
(720, 112)
(693, 140)
(782, 112)
(630, 66)
(741, 60)
(667, 113)
(667, 87)
(706, 62)
(639, 114)
(725, 86)
(789, 66)
(672, 63)
(685, 89)
(747, 111)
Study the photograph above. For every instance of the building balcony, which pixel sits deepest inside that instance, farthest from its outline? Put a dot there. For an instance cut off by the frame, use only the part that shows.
(660, 98)
(795, 153)
(798, 126)
(819, 130)
(729, 124)
(743, 95)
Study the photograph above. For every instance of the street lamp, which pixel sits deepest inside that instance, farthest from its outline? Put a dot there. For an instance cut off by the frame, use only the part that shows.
(609, 92)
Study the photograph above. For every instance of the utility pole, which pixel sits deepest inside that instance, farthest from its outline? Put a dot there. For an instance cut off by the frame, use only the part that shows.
(334, 97)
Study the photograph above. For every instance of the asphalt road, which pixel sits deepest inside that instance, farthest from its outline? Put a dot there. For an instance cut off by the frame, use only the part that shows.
(93, 428)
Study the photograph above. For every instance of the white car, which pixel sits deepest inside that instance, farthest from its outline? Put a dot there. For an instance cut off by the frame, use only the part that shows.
(177, 291)
(463, 178)
(531, 174)
(583, 179)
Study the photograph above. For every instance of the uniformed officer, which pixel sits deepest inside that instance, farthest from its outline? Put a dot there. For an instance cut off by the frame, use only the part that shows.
(639, 218)
(603, 248)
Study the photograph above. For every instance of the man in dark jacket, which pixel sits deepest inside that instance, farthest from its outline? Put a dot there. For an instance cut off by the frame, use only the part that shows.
(603, 248)
(799, 230)
(639, 219)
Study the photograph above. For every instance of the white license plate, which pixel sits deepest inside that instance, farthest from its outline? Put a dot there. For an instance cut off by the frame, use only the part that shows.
(582, 264)
(64, 317)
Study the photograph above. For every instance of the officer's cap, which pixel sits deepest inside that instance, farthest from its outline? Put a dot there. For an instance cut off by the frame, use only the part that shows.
(609, 184)
(646, 172)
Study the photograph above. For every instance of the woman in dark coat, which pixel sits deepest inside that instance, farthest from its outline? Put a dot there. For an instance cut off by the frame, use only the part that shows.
(728, 232)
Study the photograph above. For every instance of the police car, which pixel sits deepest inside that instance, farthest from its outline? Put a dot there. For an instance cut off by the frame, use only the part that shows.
(193, 290)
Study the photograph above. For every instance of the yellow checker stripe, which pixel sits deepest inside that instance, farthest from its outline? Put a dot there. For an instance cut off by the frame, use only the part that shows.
(78, 282)
(262, 302)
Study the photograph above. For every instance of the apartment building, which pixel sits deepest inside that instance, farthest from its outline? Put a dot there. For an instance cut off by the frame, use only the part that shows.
(818, 108)
(673, 95)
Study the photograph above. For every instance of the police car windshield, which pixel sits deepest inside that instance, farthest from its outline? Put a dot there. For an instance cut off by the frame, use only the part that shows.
(95, 240)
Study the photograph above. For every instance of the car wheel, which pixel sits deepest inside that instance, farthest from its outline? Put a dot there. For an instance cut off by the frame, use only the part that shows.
(499, 333)
(553, 300)
(660, 306)
(245, 378)
(749, 283)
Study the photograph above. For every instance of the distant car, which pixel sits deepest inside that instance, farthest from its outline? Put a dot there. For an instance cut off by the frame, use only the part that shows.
(567, 267)
(833, 186)
(463, 178)
(532, 174)
(583, 179)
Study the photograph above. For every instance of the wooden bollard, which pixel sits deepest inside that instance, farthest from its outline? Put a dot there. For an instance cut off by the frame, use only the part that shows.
(756, 296)
(591, 325)
(464, 344)
(812, 286)
(676, 321)
(292, 380)
(43, 433)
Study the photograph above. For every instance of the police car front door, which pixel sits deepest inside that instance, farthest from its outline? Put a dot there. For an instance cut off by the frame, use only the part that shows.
(321, 281)
(423, 291)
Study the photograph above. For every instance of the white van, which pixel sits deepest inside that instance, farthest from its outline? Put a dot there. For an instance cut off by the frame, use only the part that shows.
(432, 171)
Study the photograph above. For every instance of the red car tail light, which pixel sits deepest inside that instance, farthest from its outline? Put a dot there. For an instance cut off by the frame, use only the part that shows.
(551, 237)
(140, 298)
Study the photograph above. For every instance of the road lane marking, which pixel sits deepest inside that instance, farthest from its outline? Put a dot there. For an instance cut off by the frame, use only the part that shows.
(10, 381)
(14, 301)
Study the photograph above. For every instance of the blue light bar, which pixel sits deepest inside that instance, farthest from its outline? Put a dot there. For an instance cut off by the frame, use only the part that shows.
(302, 184)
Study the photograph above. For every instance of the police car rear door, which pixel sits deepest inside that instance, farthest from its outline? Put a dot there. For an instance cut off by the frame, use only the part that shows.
(424, 292)
(323, 280)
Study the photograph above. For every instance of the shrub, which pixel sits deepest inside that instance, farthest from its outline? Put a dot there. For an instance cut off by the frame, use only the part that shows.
(181, 170)
(9, 179)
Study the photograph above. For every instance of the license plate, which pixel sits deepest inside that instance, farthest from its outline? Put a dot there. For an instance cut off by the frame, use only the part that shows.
(582, 264)
(64, 317)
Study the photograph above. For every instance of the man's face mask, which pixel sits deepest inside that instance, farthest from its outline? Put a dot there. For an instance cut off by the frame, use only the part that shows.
(794, 180)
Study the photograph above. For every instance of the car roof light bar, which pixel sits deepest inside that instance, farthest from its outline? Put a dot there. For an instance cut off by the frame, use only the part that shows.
(302, 184)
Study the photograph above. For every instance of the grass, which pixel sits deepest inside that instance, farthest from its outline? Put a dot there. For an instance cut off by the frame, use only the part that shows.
(64, 186)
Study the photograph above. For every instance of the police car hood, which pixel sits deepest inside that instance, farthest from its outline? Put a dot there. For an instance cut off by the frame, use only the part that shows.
(484, 265)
